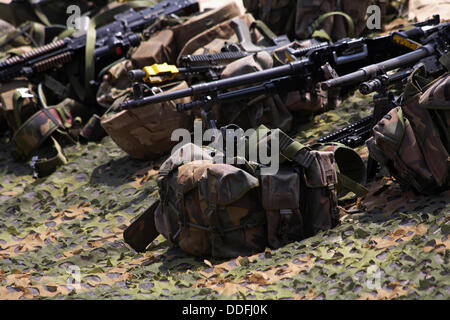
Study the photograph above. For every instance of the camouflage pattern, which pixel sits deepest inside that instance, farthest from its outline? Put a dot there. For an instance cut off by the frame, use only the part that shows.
(32, 134)
(52, 12)
(68, 114)
(10, 94)
(115, 84)
(224, 210)
(144, 132)
(348, 163)
(412, 141)
(213, 39)
(430, 121)
(296, 17)
(163, 46)
(76, 217)
(318, 194)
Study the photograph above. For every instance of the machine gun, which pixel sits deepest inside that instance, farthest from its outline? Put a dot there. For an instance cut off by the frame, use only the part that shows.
(235, 51)
(355, 134)
(431, 55)
(112, 41)
(318, 65)
(195, 68)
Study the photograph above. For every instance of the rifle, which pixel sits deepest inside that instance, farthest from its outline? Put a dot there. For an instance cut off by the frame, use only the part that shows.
(317, 65)
(112, 41)
(232, 52)
(355, 134)
(209, 66)
(374, 78)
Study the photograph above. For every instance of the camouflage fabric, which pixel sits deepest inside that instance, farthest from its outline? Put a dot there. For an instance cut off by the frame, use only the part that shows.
(350, 168)
(296, 18)
(32, 134)
(208, 208)
(199, 23)
(47, 12)
(18, 102)
(213, 39)
(412, 141)
(163, 46)
(66, 117)
(144, 132)
(270, 111)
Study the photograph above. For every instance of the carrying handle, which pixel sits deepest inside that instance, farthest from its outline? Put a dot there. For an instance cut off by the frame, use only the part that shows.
(351, 57)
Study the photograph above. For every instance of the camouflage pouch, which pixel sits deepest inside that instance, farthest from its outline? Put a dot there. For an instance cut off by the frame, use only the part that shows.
(144, 132)
(317, 172)
(210, 209)
(412, 140)
(394, 145)
(429, 117)
(350, 168)
(17, 102)
(318, 194)
(63, 121)
(213, 39)
(158, 49)
(280, 195)
(197, 24)
(227, 210)
(279, 15)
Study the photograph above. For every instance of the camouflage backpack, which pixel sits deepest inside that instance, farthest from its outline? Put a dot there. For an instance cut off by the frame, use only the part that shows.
(209, 208)
(413, 141)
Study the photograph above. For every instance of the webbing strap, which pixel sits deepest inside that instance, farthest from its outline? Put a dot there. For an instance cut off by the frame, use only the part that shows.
(351, 184)
(89, 70)
(38, 12)
(17, 107)
(320, 19)
(263, 28)
(46, 165)
(294, 150)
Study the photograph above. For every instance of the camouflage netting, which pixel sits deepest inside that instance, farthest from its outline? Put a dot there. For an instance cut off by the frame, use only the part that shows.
(391, 244)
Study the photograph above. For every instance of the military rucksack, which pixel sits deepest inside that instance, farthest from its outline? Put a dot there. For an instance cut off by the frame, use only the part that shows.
(211, 208)
(413, 141)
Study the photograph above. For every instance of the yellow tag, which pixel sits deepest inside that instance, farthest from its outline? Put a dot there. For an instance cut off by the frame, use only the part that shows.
(406, 42)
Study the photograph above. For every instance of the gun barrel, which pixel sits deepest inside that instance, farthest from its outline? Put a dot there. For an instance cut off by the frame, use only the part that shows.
(201, 88)
(381, 82)
(372, 70)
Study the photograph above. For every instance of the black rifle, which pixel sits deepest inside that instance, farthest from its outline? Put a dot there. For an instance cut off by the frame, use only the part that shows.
(318, 64)
(232, 52)
(112, 41)
(355, 134)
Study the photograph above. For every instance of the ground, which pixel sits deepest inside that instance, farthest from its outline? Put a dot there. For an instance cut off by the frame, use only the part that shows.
(68, 227)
